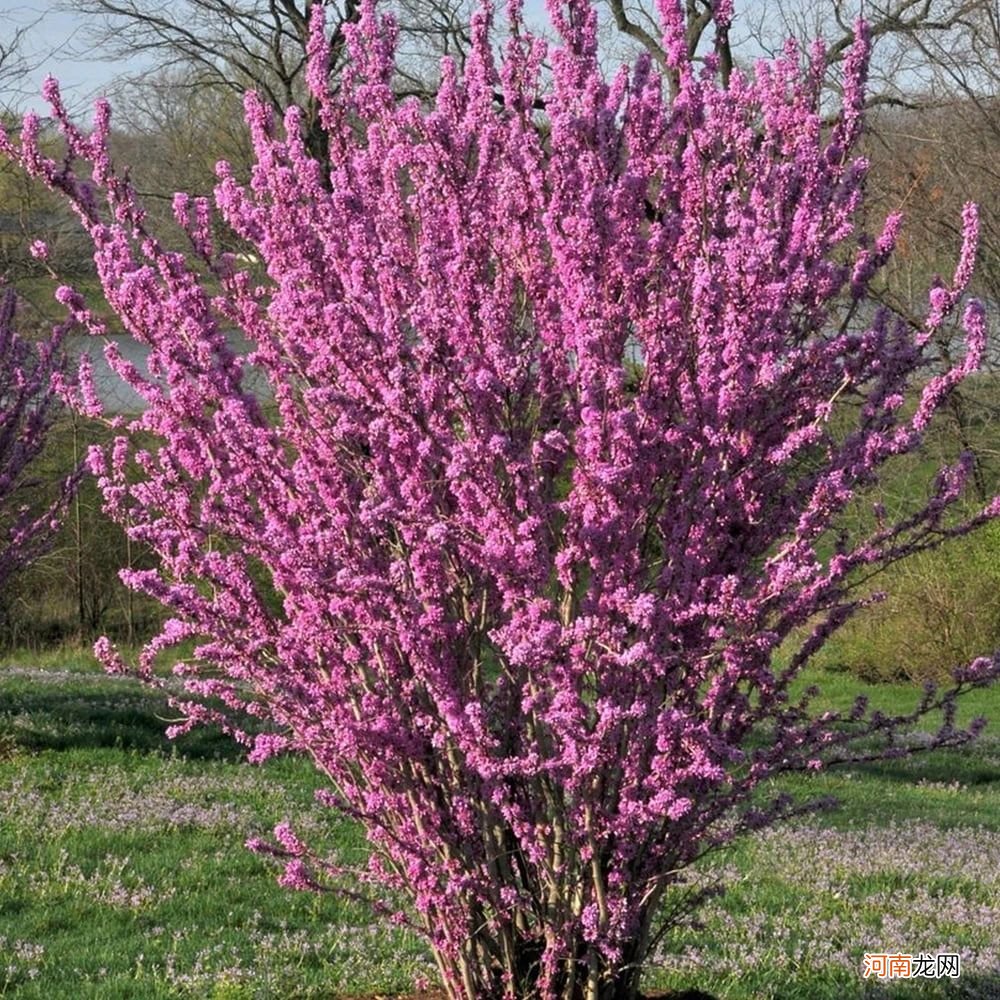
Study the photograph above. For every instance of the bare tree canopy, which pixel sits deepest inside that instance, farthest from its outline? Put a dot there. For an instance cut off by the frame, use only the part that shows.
(15, 60)
(238, 45)
(912, 36)
(259, 44)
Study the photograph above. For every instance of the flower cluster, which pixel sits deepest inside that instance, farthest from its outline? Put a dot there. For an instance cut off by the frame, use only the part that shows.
(32, 375)
(553, 466)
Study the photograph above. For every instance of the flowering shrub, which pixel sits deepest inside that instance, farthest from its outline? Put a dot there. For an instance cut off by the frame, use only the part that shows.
(549, 477)
(30, 375)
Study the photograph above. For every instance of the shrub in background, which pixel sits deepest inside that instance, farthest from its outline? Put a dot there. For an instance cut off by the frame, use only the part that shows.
(940, 611)
(517, 597)
(29, 379)
(72, 593)
(940, 608)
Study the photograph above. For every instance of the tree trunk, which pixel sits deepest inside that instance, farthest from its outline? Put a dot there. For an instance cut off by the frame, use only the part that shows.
(589, 977)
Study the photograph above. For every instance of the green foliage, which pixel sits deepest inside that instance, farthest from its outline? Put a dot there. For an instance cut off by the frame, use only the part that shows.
(72, 593)
(941, 612)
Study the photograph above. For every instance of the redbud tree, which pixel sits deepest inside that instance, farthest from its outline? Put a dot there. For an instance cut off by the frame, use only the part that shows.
(573, 382)
(30, 377)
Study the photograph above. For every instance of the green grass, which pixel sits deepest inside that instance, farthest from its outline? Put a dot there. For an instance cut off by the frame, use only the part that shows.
(121, 855)
(123, 872)
(839, 688)
(38, 308)
(909, 861)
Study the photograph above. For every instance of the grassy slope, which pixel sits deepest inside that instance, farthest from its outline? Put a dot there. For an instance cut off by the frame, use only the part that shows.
(121, 856)
(122, 871)
(908, 862)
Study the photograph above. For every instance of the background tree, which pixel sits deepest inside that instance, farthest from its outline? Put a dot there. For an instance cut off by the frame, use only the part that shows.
(15, 63)
(71, 592)
(224, 48)
(174, 131)
(29, 212)
(29, 515)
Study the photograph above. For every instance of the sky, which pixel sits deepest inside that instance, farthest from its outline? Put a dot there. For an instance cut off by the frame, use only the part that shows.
(55, 43)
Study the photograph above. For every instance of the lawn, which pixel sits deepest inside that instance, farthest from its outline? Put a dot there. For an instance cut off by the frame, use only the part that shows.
(123, 875)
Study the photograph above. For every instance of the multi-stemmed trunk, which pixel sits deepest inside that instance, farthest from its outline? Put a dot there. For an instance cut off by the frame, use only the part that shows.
(589, 976)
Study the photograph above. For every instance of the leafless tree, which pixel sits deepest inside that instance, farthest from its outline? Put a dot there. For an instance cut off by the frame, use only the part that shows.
(930, 160)
(13, 61)
(17, 60)
(910, 35)
(235, 45)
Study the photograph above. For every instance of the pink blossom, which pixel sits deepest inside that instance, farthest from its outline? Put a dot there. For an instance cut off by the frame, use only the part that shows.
(514, 552)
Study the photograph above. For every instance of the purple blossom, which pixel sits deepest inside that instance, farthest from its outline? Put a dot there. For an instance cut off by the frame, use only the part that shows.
(31, 375)
(522, 608)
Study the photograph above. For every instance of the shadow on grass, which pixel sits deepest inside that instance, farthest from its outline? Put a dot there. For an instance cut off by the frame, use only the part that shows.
(37, 713)
(944, 766)
(975, 987)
